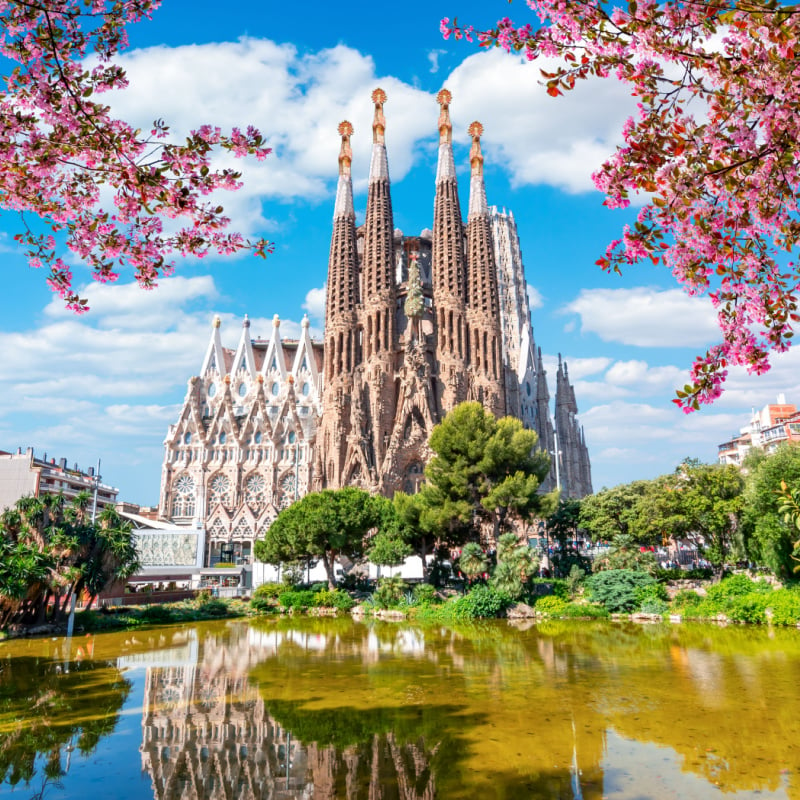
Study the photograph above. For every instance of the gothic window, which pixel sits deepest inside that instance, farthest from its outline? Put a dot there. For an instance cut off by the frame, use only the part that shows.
(242, 530)
(187, 438)
(219, 492)
(183, 497)
(212, 389)
(242, 389)
(255, 490)
(223, 437)
(257, 437)
(275, 389)
(288, 489)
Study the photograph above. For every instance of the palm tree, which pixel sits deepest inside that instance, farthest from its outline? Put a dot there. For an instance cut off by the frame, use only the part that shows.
(472, 561)
(516, 564)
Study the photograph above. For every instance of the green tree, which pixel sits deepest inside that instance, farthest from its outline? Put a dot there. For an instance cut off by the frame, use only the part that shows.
(322, 525)
(614, 512)
(50, 551)
(483, 471)
(708, 502)
(516, 565)
(769, 537)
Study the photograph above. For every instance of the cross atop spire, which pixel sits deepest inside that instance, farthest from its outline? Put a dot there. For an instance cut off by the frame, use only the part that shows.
(346, 152)
(445, 126)
(378, 121)
(475, 130)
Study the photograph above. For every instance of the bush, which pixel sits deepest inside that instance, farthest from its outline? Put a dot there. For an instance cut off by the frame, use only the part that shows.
(334, 598)
(424, 594)
(269, 591)
(748, 608)
(686, 598)
(550, 604)
(390, 592)
(582, 611)
(785, 606)
(616, 588)
(482, 602)
(156, 614)
(652, 598)
(262, 605)
(213, 607)
(297, 600)
(734, 586)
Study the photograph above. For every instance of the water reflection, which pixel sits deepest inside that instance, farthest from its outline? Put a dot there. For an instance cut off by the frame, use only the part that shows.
(315, 708)
(52, 704)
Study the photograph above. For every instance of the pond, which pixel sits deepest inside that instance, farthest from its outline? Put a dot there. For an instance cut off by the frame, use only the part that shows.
(330, 708)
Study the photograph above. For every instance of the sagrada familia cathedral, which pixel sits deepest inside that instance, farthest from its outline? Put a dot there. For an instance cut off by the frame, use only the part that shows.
(414, 325)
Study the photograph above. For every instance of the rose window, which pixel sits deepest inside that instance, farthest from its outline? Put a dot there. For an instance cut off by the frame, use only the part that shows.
(183, 497)
(288, 490)
(255, 490)
(219, 491)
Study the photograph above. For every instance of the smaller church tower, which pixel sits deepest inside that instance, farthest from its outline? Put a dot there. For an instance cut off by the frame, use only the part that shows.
(574, 467)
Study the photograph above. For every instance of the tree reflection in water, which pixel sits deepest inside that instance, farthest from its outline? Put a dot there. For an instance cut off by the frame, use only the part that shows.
(51, 706)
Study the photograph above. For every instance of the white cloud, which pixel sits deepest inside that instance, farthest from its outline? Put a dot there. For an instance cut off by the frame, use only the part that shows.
(296, 100)
(433, 57)
(535, 299)
(540, 139)
(315, 303)
(646, 317)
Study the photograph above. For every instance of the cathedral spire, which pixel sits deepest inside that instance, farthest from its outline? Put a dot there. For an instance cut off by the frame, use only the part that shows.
(379, 165)
(477, 188)
(483, 311)
(448, 269)
(446, 169)
(343, 279)
(344, 190)
(379, 303)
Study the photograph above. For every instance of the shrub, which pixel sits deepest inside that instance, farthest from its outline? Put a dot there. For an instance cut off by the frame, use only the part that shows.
(299, 600)
(616, 588)
(334, 598)
(390, 592)
(652, 598)
(575, 579)
(733, 586)
(156, 614)
(214, 607)
(424, 594)
(785, 606)
(582, 611)
(550, 604)
(686, 598)
(481, 602)
(262, 605)
(748, 608)
(269, 591)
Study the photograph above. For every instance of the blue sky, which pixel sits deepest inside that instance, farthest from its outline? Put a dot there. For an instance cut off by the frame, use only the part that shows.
(107, 384)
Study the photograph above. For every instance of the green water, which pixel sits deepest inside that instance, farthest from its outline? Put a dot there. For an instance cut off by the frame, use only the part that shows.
(328, 708)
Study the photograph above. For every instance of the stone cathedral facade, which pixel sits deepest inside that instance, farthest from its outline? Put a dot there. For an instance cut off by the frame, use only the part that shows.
(414, 325)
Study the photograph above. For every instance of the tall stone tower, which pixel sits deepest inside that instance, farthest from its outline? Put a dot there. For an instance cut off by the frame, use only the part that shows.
(342, 329)
(483, 339)
(449, 270)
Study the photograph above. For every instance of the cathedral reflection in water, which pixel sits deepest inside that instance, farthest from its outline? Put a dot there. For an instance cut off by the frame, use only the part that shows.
(206, 733)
